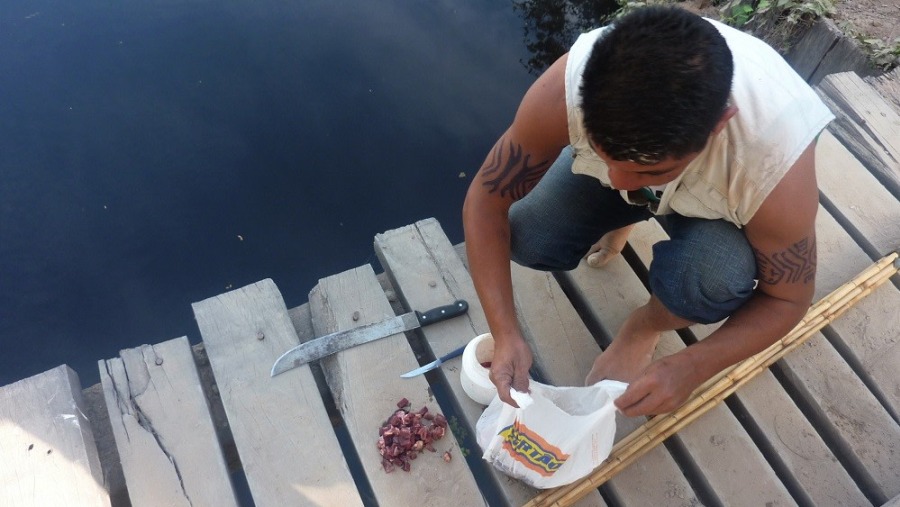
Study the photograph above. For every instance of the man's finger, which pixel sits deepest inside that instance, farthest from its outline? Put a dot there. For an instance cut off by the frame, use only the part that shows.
(503, 386)
(520, 383)
(632, 395)
(645, 406)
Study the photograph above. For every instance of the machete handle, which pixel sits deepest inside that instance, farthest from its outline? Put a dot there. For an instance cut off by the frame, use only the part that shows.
(442, 313)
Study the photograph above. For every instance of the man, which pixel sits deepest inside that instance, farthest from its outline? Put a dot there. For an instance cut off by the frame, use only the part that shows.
(663, 113)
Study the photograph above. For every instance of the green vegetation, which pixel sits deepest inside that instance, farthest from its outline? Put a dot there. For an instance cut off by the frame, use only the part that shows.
(761, 13)
(884, 55)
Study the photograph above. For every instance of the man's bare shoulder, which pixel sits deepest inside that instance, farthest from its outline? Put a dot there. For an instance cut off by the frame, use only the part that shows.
(542, 117)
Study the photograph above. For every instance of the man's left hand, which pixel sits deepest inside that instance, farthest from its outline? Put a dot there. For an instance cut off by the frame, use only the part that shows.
(662, 387)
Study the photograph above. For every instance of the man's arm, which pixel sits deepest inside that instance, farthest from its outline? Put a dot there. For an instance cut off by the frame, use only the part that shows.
(513, 167)
(782, 235)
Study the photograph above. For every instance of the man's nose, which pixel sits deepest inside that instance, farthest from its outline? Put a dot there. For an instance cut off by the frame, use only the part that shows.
(623, 180)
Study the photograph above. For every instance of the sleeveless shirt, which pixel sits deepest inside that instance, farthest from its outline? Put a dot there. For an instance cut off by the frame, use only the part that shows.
(778, 116)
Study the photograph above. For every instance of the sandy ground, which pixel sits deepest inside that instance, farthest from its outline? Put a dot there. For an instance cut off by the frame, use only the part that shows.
(874, 18)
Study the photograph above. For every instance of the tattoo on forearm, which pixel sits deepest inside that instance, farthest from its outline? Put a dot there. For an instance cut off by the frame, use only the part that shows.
(796, 264)
(509, 173)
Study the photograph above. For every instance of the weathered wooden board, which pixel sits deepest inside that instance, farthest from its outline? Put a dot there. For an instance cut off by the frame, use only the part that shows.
(721, 448)
(163, 429)
(49, 455)
(807, 53)
(817, 472)
(866, 124)
(823, 50)
(564, 350)
(862, 427)
(889, 86)
(366, 385)
(894, 502)
(855, 193)
(280, 426)
(869, 330)
(95, 411)
(426, 271)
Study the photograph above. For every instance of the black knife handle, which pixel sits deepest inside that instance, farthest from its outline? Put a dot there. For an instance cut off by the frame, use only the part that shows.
(442, 313)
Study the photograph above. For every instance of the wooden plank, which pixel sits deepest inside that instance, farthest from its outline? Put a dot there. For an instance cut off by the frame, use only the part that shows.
(888, 85)
(721, 448)
(806, 55)
(564, 351)
(366, 385)
(49, 456)
(866, 124)
(425, 271)
(786, 429)
(867, 434)
(894, 502)
(823, 50)
(280, 426)
(163, 429)
(869, 331)
(95, 411)
(845, 55)
(857, 195)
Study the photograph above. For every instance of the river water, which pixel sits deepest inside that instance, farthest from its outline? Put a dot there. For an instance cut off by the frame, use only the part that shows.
(159, 152)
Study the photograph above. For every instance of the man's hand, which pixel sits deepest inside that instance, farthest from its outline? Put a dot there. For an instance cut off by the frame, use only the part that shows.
(662, 387)
(509, 367)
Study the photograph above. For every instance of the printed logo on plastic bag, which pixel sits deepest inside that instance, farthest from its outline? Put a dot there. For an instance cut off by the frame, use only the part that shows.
(556, 436)
(528, 448)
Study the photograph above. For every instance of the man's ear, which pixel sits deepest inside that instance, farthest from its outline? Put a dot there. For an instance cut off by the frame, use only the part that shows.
(729, 112)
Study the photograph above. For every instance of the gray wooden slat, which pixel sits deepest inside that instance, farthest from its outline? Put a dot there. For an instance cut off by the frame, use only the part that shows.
(894, 502)
(889, 86)
(49, 455)
(787, 430)
(721, 448)
(164, 433)
(366, 385)
(865, 429)
(857, 195)
(564, 350)
(824, 49)
(426, 271)
(869, 330)
(95, 411)
(866, 124)
(289, 451)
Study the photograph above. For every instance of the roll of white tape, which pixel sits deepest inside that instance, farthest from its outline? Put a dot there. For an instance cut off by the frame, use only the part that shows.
(474, 376)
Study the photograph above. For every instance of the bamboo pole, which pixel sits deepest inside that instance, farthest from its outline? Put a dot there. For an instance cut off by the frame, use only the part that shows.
(715, 390)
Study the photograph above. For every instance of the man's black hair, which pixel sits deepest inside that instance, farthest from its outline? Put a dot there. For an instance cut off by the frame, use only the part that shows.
(655, 85)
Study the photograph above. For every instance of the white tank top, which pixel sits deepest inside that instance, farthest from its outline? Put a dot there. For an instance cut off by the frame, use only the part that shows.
(778, 116)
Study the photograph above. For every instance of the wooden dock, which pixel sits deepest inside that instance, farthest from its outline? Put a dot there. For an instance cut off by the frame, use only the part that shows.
(175, 425)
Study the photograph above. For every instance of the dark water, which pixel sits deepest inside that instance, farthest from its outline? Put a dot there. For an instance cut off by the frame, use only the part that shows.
(155, 153)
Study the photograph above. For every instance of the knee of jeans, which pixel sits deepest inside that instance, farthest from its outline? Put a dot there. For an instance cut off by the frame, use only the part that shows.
(533, 249)
(702, 292)
(533, 253)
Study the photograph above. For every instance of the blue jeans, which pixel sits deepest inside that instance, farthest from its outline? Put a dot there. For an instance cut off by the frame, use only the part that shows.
(703, 273)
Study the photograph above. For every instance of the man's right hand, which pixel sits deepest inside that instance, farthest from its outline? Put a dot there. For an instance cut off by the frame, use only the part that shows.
(514, 166)
(509, 367)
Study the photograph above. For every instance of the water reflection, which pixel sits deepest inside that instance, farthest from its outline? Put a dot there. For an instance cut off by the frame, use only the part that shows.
(551, 26)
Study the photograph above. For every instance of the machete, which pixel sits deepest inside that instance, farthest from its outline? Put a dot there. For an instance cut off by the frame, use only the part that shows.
(342, 340)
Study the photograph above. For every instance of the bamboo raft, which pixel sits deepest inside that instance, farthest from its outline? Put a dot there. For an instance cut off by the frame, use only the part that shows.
(814, 420)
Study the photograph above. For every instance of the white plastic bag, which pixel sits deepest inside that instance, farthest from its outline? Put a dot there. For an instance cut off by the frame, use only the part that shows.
(557, 435)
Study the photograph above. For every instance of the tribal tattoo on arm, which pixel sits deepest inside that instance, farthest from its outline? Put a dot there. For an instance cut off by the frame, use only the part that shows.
(795, 264)
(509, 171)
